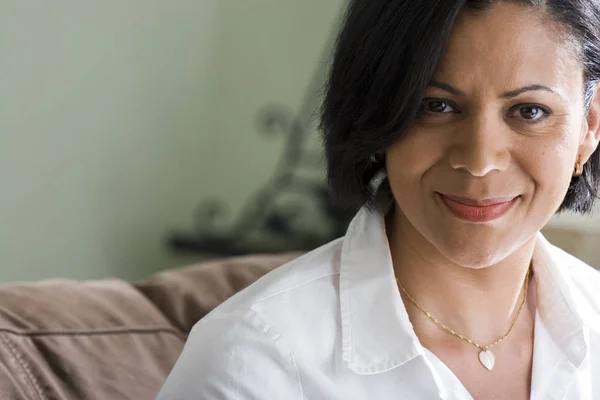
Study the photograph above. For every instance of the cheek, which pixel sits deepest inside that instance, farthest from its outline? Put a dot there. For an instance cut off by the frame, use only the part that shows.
(409, 163)
(410, 158)
(549, 176)
(549, 166)
(401, 170)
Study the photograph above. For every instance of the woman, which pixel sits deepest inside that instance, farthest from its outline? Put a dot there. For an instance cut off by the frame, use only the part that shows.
(462, 127)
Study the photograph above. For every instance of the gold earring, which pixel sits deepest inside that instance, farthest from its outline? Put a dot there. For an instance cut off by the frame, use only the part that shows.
(578, 171)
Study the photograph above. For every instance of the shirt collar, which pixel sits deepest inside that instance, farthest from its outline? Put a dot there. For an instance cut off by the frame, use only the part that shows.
(377, 334)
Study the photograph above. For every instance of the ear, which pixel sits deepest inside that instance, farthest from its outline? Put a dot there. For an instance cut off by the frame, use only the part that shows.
(591, 128)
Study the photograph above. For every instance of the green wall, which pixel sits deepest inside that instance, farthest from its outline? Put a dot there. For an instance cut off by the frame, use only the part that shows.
(117, 118)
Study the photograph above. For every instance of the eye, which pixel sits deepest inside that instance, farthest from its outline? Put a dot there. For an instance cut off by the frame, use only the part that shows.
(437, 106)
(530, 113)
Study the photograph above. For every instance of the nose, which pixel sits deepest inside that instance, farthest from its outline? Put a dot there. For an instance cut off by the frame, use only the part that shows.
(480, 146)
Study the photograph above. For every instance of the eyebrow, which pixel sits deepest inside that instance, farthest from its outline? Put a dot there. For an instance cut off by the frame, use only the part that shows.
(507, 95)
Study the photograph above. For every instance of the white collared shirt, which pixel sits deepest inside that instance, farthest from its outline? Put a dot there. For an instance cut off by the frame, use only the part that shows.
(332, 325)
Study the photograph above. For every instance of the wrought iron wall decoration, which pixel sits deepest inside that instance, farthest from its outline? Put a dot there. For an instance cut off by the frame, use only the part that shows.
(291, 212)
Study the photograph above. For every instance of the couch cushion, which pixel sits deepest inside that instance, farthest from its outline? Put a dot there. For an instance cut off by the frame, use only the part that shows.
(83, 340)
(187, 294)
(110, 339)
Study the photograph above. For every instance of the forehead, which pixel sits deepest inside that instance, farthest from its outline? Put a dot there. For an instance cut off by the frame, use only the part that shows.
(513, 45)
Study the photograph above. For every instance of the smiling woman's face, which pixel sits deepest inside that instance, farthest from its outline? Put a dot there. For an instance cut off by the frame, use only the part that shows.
(490, 158)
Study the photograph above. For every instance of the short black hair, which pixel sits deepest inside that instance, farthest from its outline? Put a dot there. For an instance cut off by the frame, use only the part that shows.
(384, 58)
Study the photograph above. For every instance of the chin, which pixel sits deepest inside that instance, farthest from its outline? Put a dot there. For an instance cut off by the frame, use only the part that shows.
(473, 251)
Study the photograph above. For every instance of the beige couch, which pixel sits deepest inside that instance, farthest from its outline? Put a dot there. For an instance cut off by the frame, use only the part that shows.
(109, 339)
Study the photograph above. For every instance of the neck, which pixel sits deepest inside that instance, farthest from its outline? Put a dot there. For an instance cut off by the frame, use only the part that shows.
(480, 303)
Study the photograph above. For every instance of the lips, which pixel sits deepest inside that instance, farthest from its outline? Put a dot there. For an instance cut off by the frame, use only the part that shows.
(475, 210)
(479, 203)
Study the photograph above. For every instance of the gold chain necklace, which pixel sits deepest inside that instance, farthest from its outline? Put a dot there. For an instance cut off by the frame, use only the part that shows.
(486, 357)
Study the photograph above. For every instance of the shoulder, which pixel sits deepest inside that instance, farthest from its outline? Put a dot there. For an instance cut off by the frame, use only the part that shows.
(248, 346)
(233, 356)
(584, 284)
(312, 272)
(299, 301)
(582, 275)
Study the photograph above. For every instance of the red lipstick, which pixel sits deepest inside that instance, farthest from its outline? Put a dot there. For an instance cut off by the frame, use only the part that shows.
(478, 210)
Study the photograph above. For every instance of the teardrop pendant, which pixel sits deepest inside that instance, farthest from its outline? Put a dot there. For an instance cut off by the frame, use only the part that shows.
(487, 359)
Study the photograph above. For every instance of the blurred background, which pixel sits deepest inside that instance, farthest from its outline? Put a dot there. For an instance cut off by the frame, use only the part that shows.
(137, 135)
